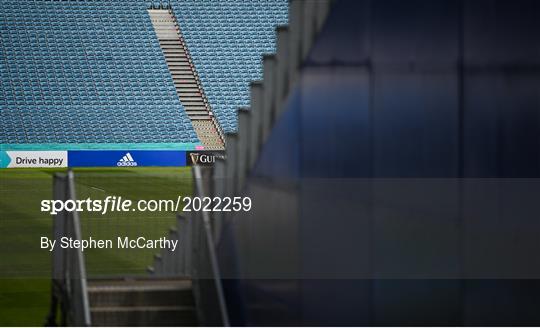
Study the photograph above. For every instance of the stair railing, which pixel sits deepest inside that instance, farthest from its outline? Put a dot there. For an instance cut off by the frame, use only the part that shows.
(69, 284)
(204, 250)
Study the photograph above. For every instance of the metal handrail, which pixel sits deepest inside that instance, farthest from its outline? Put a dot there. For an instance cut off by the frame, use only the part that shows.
(83, 298)
(69, 284)
(199, 190)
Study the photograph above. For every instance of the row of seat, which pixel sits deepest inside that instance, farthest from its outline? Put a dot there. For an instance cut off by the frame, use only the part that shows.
(115, 110)
(78, 62)
(21, 97)
(29, 99)
(89, 90)
(127, 90)
(90, 136)
(221, 22)
(85, 137)
(75, 40)
(226, 41)
(80, 72)
(92, 66)
(82, 50)
(52, 38)
(135, 76)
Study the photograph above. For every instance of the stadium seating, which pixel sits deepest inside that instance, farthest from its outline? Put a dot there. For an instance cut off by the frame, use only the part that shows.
(93, 72)
(85, 72)
(226, 40)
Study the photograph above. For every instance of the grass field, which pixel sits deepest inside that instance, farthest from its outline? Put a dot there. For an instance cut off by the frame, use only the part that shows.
(25, 268)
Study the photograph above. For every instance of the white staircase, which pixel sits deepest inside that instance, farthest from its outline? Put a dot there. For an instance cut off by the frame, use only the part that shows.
(142, 302)
(186, 80)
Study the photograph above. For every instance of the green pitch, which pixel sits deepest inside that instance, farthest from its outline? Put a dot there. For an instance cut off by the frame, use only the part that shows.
(25, 268)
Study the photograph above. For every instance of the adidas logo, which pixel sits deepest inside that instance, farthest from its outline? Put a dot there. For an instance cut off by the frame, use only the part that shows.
(127, 160)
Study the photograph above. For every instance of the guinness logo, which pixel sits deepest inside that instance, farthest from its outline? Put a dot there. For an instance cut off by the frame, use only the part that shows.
(194, 158)
(203, 158)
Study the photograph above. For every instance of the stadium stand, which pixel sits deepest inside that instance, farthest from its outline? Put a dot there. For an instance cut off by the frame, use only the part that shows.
(80, 73)
(226, 40)
(86, 74)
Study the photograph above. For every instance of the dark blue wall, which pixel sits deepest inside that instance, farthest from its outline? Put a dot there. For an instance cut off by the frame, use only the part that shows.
(401, 184)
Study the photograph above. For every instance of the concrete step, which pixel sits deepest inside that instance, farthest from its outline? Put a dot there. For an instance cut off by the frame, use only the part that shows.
(192, 82)
(151, 292)
(177, 61)
(192, 99)
(176, 48)
(190, 94)
(185, 88)
(183, 84)
(167, 36)
(178, 80)
(175, 57)
(185, 81)
(162, 29)
(193, 105)
(180, 69)
(144, 316)
(170, 42)
(165, 44)
(178, 64)
(185, 66)
(176, 53)
(183, 76)
(182, 87)
(195, 108)
(190, 77)
(199, 118)
(185, 69)
(189, 87)
(167, 33)
(141, 302)
(197, 112)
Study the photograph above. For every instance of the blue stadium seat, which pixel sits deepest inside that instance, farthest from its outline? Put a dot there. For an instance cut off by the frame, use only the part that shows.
(65, 64)
(226, 42)
(74, 72)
